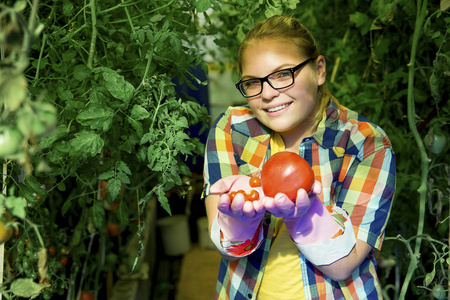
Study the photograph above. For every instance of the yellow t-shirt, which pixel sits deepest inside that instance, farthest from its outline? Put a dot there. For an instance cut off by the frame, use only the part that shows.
(282, 277)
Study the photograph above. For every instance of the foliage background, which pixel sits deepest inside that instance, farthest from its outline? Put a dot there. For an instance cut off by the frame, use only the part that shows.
(141, 46)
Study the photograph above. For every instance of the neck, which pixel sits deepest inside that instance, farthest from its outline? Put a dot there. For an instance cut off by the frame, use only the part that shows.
(293, 139)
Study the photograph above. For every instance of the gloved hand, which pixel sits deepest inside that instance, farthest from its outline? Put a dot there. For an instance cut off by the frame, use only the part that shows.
(239, 220)
(322, 234)
(307, 220)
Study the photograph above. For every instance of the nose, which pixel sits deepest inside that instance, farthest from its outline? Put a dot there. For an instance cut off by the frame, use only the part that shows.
(268, 92)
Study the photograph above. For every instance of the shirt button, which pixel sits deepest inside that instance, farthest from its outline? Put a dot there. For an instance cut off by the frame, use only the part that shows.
(249, 296)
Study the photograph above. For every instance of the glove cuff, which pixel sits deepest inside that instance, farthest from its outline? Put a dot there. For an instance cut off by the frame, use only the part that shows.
(230, 247)
(330, 250)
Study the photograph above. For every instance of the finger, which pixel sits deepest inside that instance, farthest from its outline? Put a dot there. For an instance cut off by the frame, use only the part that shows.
(248, 209)
(238, 204)
(302, 202)
(269, 205)
(284, 204)
(258, 206)
(316, 188)
(224, 204)
(223, 185)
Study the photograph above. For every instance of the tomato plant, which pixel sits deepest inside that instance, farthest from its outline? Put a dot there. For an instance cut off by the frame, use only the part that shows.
(286, 172)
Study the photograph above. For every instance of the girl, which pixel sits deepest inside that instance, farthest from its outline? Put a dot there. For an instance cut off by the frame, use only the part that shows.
(321, 245)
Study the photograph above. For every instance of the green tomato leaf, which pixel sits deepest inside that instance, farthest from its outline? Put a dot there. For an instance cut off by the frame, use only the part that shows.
(96, 118)
(139, 113)
(27, 288)
(16, 206)
(66, 206)
(81, 72)
(123, 178)
(137, 126)
(106, 175)
(114, 186)
(117, 85)
(429, 278)
(98, 214)
(203, 5)
(124, 168)
(86, 143)
(122, 213)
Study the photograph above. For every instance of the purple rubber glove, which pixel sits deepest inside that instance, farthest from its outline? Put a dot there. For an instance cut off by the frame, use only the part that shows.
(239, 220)
(307, 219)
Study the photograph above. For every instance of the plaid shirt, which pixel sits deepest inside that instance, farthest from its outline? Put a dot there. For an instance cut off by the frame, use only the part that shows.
(354, 161)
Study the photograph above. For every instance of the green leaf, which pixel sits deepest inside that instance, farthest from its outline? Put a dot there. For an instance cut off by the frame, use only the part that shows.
(86, 143)
(123, 178)
(117, 85)
(81, 72)
(106, 175)
(429, 278)
(98, 214)
(56, 134)
(122, 213)
(69, 55)
(203, 5)
(137, 126)
(67, 8)
(17, 206)
(124, 168)
(139, 113)
(64, 94)
(114, 186)
(66, 206)
(96, 118)
(26, 287)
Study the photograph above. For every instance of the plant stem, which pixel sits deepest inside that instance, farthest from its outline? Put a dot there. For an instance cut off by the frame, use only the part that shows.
(420, 18)
(128, 16)
(94, 34)
(36, 77)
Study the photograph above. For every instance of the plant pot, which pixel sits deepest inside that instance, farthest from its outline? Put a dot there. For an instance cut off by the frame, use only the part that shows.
(175, 235)
(203, 234)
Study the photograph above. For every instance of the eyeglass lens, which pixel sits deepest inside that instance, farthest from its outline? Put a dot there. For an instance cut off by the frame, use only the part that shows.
(277, 80)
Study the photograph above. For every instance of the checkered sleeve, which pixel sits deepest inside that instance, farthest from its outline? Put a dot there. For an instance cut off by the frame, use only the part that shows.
(219, 154)
(367, 191)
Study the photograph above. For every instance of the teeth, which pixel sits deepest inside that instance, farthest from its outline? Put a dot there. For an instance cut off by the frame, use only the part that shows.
(277, 108)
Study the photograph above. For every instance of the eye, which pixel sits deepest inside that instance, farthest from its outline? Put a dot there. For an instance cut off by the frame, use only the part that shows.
(283, 73)
(250, 83)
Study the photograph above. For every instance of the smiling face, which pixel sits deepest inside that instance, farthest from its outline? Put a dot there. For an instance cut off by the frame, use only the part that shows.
(289, 111)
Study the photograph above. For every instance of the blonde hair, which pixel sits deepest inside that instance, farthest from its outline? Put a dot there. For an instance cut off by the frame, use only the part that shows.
(289, 29)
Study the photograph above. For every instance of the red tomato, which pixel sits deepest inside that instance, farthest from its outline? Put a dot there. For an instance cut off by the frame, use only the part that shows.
(255, 182)
(52, 250)
(63, 260)
(113, 229)
(286, 172)
(86, 296)
(253, 195)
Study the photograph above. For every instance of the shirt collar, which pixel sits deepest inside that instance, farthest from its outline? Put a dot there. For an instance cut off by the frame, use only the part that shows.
(328, 127)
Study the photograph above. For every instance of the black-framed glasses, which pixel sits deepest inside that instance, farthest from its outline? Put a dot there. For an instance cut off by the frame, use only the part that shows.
(278, 80)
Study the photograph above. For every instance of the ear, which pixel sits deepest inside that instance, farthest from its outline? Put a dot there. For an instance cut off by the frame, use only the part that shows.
(321, 69)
